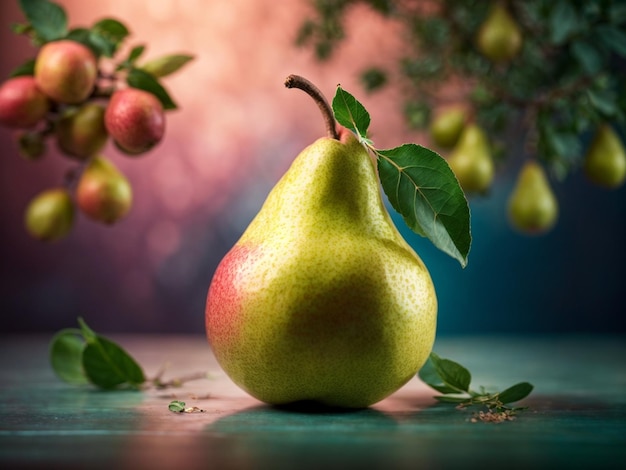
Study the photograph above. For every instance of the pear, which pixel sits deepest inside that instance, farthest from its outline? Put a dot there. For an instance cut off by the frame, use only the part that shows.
(66, 71)
(605, 161)
(532, 206)
(499, 37)
(471, 160)
(447, 126)
(80, 132)
(135, 120)
(103, 192)
(50, 215)
(321, 299)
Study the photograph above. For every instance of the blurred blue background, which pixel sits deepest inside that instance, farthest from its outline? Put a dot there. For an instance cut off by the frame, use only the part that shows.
(224, 150)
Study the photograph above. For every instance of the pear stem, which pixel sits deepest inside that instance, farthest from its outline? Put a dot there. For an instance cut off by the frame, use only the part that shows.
(296, 81)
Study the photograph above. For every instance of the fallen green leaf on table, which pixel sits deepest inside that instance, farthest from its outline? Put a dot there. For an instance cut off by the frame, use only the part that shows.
(453, 380)
(177, 406)
(81, 356)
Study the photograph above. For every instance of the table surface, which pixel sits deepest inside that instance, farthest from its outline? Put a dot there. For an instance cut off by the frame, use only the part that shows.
(576, 416)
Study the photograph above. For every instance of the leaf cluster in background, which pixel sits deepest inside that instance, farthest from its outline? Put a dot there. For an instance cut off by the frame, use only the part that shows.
(418, 182)
(568, 77)
(47, 21)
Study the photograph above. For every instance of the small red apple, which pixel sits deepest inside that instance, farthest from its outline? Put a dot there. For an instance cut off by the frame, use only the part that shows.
(22, 104)
(66, 71)
(135, 120)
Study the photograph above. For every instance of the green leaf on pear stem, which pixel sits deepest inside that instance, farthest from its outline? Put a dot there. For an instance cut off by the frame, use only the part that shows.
(350, 113)
(66, 350)
(27, 68)
(421, 186)
(166, 65)
(515, 392)
(137, 78)
(48, 19)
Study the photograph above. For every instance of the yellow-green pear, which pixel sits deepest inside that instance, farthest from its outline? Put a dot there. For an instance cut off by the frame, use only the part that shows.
(321, 299)
(447, 126)
(50, 215)
(532, 206)
(499, 37)
(605, 161)
(471, 160)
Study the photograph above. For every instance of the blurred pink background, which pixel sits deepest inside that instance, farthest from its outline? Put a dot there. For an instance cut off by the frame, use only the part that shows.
(237, 130)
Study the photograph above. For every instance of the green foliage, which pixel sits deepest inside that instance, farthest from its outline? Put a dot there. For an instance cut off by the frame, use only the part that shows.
(453, 380)
(565, 81)
(27, 68)
(47, 21)
(138, 78)
(106, 364)
(176, 406)
(418, 182)
(66, 349)
(166, 65)
(81, 356)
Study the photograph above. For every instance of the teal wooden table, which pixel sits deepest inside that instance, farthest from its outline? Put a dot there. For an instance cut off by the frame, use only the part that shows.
(577, 416)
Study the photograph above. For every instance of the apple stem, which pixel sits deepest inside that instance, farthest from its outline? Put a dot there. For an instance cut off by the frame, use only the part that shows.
(296, 81)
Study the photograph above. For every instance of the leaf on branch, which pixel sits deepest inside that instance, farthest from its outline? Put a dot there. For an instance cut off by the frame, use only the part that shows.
(587, 56)
(563, 21)
(27, 68)
(603, 101)
(421, 186)
(112, 29)
(48, 19)
(166, 65)
(350, 113)
(614, 38)
(144, 81)
(135, 53)
(66, 350)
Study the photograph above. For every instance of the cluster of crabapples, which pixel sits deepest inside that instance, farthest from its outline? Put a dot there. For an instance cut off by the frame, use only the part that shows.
(62, 101)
